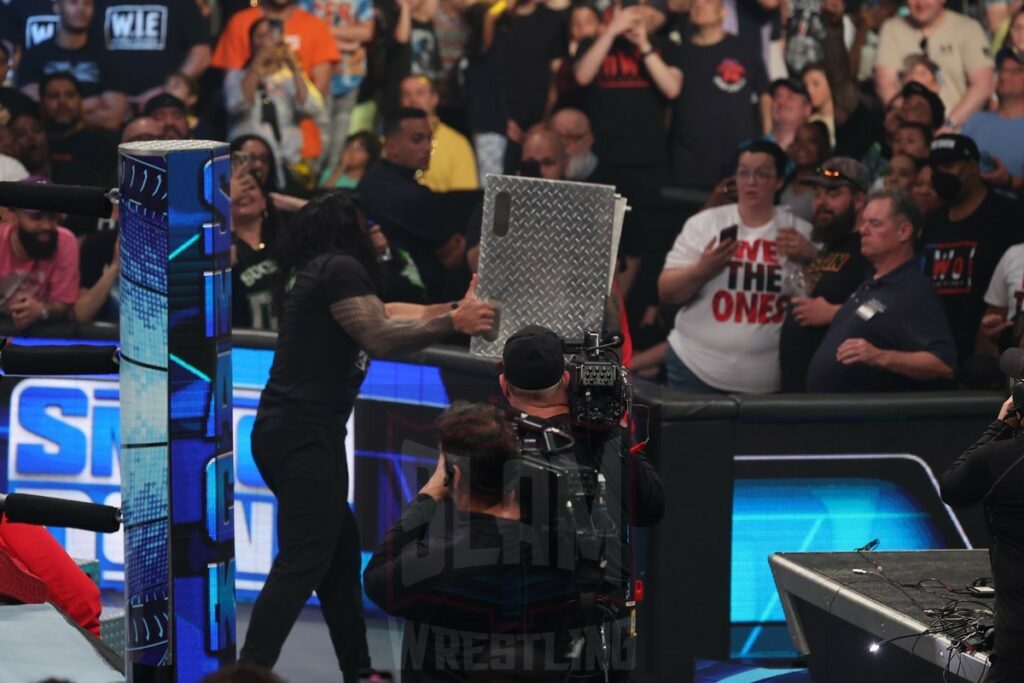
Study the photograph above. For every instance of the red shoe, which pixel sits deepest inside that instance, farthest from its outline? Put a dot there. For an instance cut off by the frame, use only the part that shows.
(19, 584)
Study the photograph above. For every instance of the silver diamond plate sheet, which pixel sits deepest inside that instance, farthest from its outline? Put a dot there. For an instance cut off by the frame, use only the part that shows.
(553, 267)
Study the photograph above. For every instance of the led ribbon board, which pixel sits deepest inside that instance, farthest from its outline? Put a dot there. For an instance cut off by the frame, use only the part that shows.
(176, 422)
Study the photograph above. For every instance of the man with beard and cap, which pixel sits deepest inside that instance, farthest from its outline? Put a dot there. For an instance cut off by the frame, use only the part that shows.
(170, 113)
(834, 273)
(38, 267)
(963, 242)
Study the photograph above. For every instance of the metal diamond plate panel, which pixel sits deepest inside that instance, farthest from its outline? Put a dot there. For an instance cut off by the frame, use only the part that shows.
(552, 266)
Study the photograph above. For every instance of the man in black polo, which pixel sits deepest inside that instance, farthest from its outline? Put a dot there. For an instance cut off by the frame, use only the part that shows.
(409, 213)
(963, 243)
(891, 334)
(60, 104)
(833, 274)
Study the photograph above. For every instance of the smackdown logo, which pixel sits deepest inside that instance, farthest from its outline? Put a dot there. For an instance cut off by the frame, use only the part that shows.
(65, 442)
(136, 27)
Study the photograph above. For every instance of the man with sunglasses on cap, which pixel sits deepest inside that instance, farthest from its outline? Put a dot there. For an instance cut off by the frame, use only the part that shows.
(38, 267)
(835, 271)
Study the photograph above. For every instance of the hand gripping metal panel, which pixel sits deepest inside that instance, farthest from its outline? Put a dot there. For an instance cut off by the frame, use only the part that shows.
(552, 266)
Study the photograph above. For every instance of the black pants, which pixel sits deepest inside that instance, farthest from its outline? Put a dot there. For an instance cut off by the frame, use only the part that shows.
(318, 544)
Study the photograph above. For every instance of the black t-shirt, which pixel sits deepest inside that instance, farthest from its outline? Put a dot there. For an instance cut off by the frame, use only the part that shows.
(627, 111)
(861, 129)
(716, 110)
(91, 147)
(530, 43)
(154, 33)
(75, 173)
(960, 258)
(485, 99)
(410, 216)
(834, 274)
(251, 280)
(896, 312)
(317, 367)
(91, 65)
(805, 33)
(27, 22)
(96, 254)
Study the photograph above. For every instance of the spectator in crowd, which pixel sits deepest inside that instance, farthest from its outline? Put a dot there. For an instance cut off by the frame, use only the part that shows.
(957, 44)
(584, 24)
(72, 50)
(38, 267)
(186, 89)
(483, 89)
(920, 105)
(418, 52)
(1015, 34)
(271, 96)
(309, 36)
(891, 334)
(351, 25)
(963, 243)
(170, 114)
(868, 21)
(1000, 326)
(60, 105)
(141, 129)
(32, 149)
(901, 173)
(832, 274)
(573, 128)
(924, 195)
(407, 212)
(529, 37)
(914, 140)
(725, 268)
(544, 153)
(630, 75)
(361, 151)
(452, 165)
(261, 159)
(163, 35)
(452, 36)
(808, 151)
(1000, 133)
(920, 69)
(791, 108)
(99, 294)
(857, 125)
(719, 105)
(253, 227)
(819, 91)
(12, 100)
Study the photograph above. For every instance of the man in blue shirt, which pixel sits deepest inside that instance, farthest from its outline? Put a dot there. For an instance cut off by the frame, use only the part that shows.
(891, 334)
(1000, 133)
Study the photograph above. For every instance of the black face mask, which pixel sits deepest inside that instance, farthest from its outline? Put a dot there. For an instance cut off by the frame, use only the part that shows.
(946, 185)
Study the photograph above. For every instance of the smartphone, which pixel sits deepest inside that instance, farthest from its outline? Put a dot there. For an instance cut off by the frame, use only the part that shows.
(730, 233)
(240, 162)
(276, 29)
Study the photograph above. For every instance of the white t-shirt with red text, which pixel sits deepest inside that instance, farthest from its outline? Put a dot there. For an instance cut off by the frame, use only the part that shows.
(728, 334)
(49, 280)
(1006, 288)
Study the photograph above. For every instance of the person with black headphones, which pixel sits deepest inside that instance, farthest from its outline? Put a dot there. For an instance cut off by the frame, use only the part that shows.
(991, 472)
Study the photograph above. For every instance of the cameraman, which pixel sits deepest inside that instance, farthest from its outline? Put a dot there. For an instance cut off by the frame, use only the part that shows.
(991, 472)
(534, 380)
(458, 576)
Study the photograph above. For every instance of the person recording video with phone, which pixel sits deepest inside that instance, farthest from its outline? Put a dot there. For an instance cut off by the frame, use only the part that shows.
(991, 472)
(331, 320)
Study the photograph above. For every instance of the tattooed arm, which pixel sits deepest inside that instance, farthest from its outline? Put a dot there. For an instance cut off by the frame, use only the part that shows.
(365, 319)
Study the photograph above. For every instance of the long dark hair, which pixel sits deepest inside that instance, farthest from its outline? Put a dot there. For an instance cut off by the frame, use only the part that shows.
(236, 146)
(331, 223)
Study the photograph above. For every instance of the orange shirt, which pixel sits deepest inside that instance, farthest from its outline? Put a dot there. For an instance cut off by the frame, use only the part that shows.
(306, 34)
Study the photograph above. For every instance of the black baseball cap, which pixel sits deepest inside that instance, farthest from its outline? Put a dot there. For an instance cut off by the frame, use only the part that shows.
(934, 101)
(534, 358)
(951, 147)
(162, 100)
(794, 84)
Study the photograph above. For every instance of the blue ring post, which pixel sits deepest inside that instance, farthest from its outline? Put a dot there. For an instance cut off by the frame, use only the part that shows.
(176, 422)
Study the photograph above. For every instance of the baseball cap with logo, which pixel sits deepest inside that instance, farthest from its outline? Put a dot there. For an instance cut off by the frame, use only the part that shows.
(933, 99)
(951, 147)
(840, 172)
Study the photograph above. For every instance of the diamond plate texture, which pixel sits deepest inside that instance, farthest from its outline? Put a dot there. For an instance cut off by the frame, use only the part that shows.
(552, 268)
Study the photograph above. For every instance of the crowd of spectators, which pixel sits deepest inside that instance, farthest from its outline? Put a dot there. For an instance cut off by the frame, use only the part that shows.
(825, 193)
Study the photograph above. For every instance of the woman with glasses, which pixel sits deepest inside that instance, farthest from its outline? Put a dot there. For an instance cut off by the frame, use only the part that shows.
(726, 268)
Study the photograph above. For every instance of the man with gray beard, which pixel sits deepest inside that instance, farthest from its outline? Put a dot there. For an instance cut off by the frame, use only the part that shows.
(833, 273)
